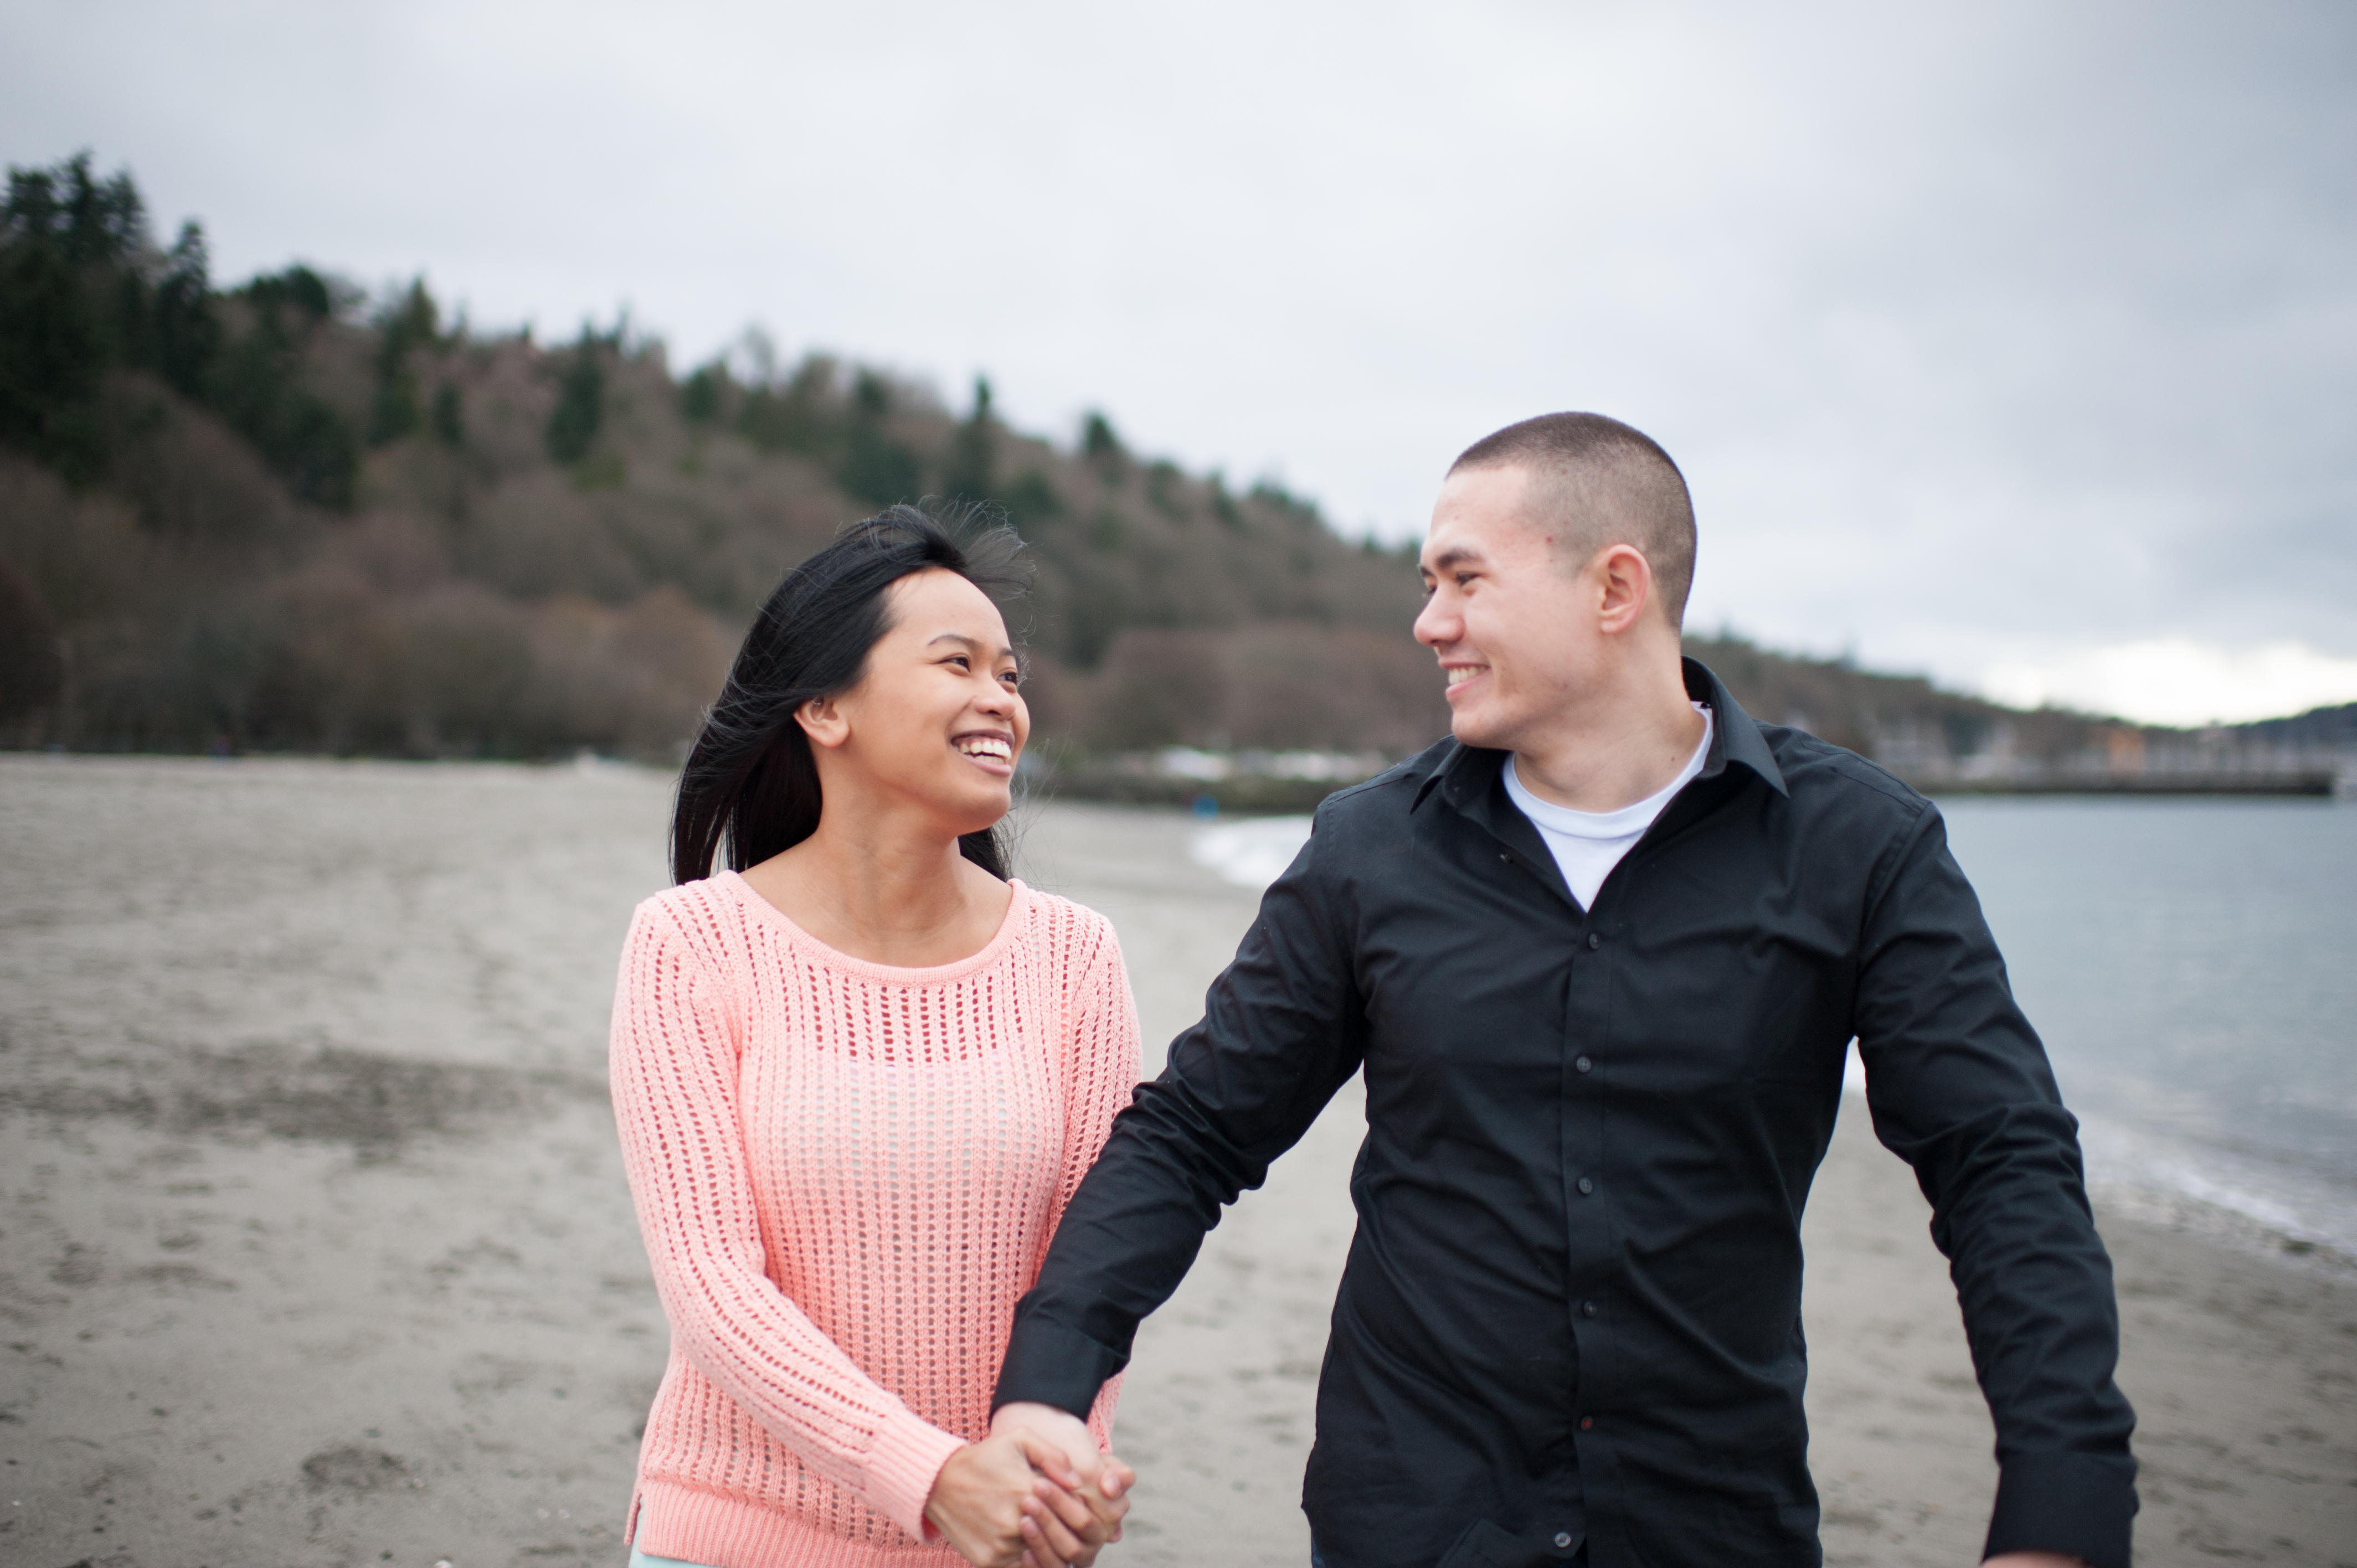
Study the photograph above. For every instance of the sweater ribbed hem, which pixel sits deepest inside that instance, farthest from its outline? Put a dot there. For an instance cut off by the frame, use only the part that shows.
(721, 1532)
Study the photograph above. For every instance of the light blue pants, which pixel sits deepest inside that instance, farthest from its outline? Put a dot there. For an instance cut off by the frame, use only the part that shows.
(640, 1559)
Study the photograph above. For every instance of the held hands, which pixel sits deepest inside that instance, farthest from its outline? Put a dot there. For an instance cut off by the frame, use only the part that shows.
(1105, 1480)
(1019, 1499)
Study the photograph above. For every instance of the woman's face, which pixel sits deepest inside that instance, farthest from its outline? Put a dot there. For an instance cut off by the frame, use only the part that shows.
(935, 720)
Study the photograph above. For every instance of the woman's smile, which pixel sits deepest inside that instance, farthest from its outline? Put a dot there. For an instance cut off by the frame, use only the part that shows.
(989, 750)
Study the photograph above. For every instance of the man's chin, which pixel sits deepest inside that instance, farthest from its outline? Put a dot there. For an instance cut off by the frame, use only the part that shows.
(1475, 730)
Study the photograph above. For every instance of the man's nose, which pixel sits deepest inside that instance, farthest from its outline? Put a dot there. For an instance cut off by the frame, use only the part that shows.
(1436, 623)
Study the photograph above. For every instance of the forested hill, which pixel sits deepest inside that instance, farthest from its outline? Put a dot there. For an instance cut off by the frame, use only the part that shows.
(276, 515)
(280, 515)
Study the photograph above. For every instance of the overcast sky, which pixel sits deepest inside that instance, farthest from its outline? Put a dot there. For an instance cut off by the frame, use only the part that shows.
(2014, 344)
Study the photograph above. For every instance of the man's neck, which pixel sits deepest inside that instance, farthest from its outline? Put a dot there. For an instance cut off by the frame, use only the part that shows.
(1617, 748)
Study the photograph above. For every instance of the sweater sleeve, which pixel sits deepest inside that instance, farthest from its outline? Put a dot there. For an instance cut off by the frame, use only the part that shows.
(1102, 1078)
(675, 1103)
(1103, 1065)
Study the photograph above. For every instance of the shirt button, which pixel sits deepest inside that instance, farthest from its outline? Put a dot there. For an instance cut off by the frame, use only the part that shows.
(1587, 1309)
(1581, 1064)
(1594, 941)
(1586, 1422)
(1562, 1539)
(1585, 1186)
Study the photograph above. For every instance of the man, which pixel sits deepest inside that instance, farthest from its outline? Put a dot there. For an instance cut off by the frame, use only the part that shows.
(1599, 956)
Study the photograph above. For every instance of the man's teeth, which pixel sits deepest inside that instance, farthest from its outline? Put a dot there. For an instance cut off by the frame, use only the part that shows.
(987, 746)
(1458, 676)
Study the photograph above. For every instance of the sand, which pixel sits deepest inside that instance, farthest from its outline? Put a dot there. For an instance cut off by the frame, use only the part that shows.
(314, 1246)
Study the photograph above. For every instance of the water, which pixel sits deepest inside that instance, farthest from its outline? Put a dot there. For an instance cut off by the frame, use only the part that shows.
(2192, 967)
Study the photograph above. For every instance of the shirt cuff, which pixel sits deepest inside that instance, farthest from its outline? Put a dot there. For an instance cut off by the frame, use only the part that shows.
(1048, 1363)
(902, 1464)
(2077, 1504)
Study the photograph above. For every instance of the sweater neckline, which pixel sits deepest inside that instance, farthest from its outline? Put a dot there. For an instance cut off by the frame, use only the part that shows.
(837, 958)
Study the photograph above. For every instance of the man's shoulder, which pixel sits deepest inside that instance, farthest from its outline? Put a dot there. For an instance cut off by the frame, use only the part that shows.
(1390, 794)
(1820, 776)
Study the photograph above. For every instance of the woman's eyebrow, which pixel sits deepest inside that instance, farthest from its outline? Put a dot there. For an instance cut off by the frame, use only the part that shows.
(977, 644)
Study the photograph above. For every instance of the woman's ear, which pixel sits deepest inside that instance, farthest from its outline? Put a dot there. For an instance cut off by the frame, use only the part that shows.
(825, 721)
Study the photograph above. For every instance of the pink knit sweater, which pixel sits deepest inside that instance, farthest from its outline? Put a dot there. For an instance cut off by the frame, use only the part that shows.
(846, 1174)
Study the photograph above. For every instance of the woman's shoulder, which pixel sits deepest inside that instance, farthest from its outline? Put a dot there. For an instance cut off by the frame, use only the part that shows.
(705, 915)
(1070, 935)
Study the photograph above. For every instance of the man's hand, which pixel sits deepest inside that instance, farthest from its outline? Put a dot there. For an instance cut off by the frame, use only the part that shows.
(1103, 1480)
(2034, 1560)
(985, 1500)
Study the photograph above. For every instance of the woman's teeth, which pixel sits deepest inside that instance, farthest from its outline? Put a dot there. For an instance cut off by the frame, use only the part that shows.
(987, 746)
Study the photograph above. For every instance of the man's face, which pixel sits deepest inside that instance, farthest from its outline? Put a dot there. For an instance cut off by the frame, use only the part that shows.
(1502, 611)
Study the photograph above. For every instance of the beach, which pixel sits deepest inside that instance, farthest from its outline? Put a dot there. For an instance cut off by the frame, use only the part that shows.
(315, 1248)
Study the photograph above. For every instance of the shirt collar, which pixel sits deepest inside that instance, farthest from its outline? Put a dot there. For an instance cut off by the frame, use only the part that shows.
(1464, 774)
(1736, 737)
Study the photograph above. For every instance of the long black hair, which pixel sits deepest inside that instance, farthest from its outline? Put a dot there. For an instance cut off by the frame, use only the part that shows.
(750, 778)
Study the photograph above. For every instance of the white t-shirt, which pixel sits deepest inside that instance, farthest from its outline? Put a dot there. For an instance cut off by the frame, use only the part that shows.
(1586, 846)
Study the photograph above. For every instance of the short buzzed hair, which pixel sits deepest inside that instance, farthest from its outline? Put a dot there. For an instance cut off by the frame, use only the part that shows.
(1608, 484)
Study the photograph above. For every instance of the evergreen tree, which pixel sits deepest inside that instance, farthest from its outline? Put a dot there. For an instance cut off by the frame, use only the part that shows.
(970, 472)
(580, 409)
(874, 467)
(700, 397)
(1101, 446)
(60, 233)
(187, 335)
(256, 384)
(410, 324)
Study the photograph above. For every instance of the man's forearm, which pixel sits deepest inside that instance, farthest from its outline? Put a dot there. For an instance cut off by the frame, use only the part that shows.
(1960, 1089)
(1126, 1240)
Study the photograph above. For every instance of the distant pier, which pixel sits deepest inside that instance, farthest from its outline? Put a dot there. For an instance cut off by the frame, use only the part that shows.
(2312, 782)
(1256, 782)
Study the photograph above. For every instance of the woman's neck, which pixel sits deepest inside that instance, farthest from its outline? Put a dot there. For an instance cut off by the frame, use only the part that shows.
(886, 891)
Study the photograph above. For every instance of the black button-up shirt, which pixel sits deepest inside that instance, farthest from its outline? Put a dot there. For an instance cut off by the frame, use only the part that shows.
(1572, 1310)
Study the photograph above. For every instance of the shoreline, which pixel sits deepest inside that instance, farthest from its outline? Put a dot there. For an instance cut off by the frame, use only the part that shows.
(2223, 1229)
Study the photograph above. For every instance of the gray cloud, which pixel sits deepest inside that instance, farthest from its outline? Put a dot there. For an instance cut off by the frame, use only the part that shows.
(1984, 332)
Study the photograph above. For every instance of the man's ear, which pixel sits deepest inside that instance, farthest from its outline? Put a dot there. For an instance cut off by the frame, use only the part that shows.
(825, 721)
(1625, 579)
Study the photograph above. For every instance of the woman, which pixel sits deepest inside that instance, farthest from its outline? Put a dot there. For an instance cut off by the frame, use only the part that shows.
(857, 1077)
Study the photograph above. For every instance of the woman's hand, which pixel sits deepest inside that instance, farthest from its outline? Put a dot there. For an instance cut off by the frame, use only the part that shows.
(1003, 1503)
(1103, 1481)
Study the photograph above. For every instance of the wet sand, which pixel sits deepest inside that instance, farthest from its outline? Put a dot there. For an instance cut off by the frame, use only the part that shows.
(314, 1246)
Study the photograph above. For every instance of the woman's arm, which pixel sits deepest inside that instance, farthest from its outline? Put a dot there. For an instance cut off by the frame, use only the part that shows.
(1101, 1068)
(1101, 1061)
(674, 1086)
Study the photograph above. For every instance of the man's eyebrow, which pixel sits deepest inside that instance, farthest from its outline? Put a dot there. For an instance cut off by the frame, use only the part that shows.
(977, 644)
(1455, 555)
